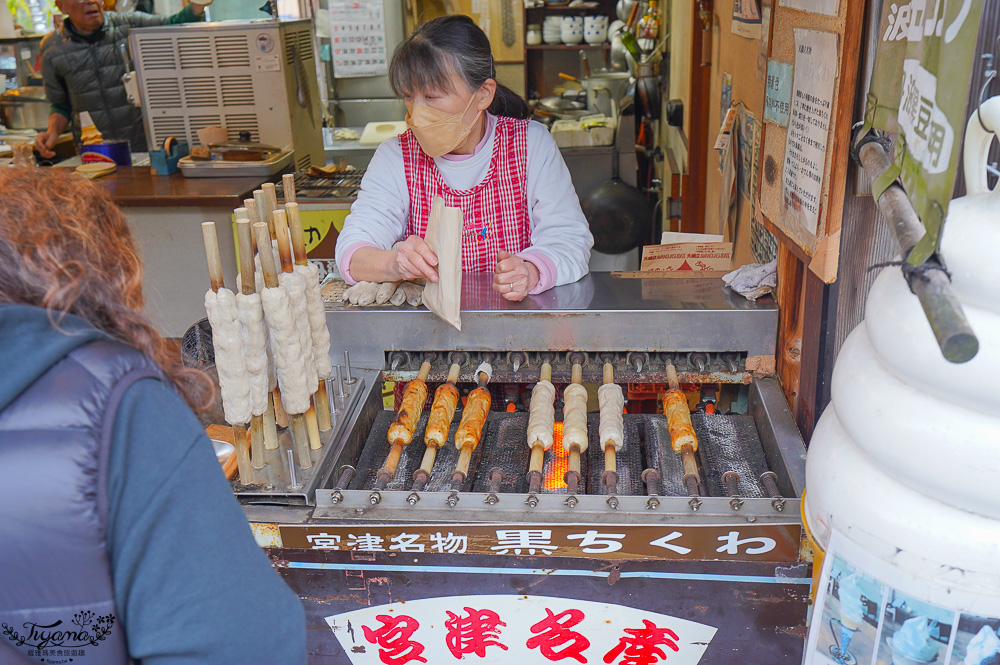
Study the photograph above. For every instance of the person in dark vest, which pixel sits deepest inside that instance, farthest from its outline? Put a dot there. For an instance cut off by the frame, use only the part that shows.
(120, 539)
(82, 70)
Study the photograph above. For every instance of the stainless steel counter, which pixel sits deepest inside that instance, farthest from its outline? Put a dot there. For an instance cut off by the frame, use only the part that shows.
(598, 313)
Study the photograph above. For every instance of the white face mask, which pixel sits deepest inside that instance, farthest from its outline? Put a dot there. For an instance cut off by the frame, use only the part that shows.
(439, 132)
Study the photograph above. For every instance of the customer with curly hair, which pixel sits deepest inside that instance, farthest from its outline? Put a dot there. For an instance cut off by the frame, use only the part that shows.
(120, 539)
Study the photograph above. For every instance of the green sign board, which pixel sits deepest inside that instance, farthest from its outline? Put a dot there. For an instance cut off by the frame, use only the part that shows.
(919, 89)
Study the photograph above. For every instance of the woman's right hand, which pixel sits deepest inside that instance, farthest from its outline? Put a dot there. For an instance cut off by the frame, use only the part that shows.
(414, 259)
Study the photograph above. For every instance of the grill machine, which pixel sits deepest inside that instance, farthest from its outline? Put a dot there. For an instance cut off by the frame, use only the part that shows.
(722, 564)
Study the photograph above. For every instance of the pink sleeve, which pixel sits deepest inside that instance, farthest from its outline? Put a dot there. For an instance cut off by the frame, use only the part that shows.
(546, 269)
(345, 260)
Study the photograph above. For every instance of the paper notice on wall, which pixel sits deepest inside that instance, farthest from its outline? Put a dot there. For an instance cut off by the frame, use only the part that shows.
(809, 127)
(746, 19)
(778, 99)
(825, 7)
(357, 37)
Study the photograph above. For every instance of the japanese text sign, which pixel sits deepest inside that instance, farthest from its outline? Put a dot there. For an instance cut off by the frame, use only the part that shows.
(763, 542)
(920, 87)
(516, 629)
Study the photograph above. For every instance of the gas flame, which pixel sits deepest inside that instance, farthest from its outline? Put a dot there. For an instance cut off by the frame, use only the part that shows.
(555, 478)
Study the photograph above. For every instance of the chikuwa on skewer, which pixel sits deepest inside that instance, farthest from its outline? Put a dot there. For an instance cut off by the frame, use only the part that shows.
(611, 401)
(220, 305)
(401, 431)
(438, 426)
(575, 427)
(541, 426)
(682, 437)
(470, 429)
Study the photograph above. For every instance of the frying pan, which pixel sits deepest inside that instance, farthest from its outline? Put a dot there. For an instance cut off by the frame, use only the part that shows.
(620, 216)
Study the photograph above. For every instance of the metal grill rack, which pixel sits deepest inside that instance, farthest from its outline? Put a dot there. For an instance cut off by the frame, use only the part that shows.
(342, 186)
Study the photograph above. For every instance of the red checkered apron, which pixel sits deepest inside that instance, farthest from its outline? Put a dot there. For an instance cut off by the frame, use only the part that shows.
(495, 211)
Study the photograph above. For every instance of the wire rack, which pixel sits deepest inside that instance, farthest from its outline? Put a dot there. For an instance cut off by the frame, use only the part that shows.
(341, 186)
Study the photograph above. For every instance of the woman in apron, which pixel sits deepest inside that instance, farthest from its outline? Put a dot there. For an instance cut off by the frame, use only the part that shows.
(469, 142)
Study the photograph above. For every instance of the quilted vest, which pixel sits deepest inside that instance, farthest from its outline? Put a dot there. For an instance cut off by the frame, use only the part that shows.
(56, 595)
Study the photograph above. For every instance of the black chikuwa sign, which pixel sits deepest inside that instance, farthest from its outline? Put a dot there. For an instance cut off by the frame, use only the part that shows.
(739, 542)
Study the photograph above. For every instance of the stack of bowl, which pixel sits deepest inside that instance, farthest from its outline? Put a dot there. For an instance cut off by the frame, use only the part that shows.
(552, 30)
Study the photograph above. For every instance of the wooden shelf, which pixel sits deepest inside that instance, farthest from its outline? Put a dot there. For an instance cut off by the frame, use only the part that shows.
(568, 10)
(568, 47)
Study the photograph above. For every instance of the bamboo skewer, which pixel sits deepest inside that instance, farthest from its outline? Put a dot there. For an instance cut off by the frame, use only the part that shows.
(271, 196)
(217, 282)
(300, 433)
(251, 207)
(388, 469)
(270, 425)
(610, 475)
(537, 462)
(423, 475)
(320, 398)
(248, 287)
(288, 185)
(280, 415)
(264, 214)
(692, 478)
(573, 475)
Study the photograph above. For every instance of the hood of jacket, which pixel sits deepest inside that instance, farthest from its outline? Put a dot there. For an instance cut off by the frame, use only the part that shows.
(31, 343)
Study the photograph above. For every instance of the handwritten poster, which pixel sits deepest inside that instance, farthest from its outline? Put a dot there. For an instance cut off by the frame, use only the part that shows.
(357, 37)
(809, 127)
(825, 7)
(516, 629)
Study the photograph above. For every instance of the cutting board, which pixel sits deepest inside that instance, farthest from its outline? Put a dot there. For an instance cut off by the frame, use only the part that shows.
(376, 132)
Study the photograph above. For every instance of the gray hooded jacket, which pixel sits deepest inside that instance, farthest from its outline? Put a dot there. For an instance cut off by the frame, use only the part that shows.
(84, 73)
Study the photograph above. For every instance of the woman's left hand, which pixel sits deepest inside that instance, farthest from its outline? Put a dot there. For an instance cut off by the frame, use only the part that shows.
(514, 276)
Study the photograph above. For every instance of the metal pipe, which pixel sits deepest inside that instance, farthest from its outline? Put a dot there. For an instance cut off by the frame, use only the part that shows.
(954, 335)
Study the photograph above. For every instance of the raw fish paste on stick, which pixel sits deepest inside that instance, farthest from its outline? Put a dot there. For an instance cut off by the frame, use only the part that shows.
(290, 362)
(317, 320)
(542, 414)
(227, 337)
(611, 401)
(251, 315)
(295, 286)
(575, 417)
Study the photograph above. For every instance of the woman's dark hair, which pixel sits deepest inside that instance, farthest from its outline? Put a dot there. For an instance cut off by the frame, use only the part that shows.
(425, 60)
(66, 247)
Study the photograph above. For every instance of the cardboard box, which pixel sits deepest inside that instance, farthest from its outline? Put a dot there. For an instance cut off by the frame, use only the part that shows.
(692, 256)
